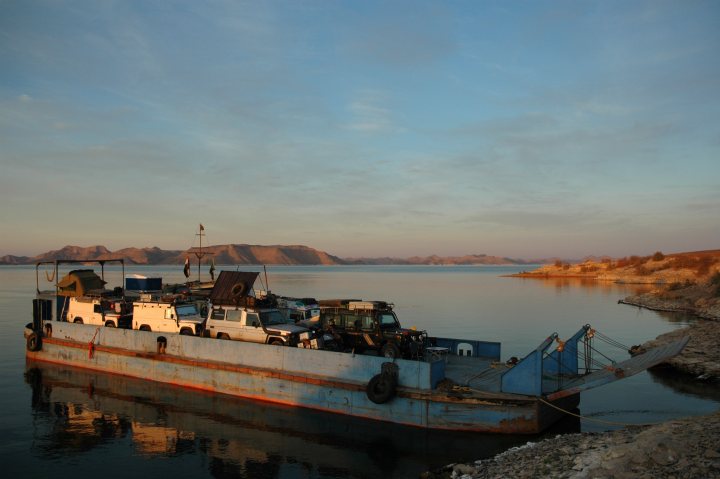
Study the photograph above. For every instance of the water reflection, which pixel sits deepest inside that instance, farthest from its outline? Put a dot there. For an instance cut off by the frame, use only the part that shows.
(684, 383)
(561, 285)
(76, 411)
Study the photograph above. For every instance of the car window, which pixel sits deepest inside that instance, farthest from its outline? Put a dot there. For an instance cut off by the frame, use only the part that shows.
(218, 314)
(348, 320)
(326, 318)
(388, 319)
(252, 319)
(367, 322)
(233, 315)
(186, 310)
(272, 317)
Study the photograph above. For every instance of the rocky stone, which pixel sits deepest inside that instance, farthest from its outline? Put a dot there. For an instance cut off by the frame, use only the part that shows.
(701, 356)
(686, 448)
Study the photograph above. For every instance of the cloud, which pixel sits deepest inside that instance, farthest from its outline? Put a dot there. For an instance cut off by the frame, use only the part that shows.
(369, 113)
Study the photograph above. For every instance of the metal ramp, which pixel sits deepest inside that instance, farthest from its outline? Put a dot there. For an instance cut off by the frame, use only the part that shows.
(570, 367)
(620, 370)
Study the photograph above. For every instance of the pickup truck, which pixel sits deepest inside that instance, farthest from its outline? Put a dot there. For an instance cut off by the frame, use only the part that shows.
(257, 325)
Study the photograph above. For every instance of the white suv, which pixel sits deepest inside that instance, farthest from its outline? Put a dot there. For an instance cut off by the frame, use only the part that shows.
(99, 311)
(253, 325)
(170, 317)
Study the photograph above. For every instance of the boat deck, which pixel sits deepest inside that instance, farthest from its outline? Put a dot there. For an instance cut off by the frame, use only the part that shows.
(475, 372)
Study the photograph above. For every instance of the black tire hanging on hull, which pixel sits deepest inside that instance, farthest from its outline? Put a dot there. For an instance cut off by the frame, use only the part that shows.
(34, 343)
(381, 388)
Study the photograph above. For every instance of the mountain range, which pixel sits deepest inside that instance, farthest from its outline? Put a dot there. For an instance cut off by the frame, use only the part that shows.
(250, 254)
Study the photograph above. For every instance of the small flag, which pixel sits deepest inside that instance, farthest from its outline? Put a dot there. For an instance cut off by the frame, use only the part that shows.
(202, 228)
(186, 270)
(212, 269)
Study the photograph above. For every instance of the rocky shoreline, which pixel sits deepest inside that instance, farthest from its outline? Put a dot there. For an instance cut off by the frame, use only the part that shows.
(684, 448)
(697, 300)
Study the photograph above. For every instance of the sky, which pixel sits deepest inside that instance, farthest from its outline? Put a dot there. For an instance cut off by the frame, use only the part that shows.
(525, 129)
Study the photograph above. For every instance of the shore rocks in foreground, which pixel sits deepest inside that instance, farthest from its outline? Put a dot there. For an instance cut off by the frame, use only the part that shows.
(684, 448)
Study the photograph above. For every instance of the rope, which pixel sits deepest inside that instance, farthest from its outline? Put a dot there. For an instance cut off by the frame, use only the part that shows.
(601, 421)
(611, 341)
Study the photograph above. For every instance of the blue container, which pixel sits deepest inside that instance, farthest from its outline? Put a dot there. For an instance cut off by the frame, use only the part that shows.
(143, 284)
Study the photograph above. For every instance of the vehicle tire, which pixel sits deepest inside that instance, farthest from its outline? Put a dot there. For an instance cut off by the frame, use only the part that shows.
(186, 332)
(276, 342)
(381, 388)
(145, 327)
(109, 324)
(34, 343)
(78, 321)
(223, 336)
(390, 350)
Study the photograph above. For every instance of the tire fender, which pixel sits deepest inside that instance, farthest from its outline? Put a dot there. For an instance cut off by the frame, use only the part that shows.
(381, 388)
(34, 342)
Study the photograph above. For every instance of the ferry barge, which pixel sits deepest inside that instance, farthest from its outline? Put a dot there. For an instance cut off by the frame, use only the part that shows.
(457, 384)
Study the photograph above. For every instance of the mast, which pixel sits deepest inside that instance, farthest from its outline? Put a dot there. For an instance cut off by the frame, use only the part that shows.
(198, 252)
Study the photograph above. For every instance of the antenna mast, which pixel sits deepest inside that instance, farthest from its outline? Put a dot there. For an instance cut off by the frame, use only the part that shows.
(198, 252)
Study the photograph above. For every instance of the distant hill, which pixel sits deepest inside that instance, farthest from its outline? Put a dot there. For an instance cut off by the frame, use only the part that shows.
(659, 268)
(223, 254)
(252, 254)
(474, 259)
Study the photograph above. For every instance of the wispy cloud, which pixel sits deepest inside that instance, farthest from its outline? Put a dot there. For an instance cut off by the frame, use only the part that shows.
(369, 113)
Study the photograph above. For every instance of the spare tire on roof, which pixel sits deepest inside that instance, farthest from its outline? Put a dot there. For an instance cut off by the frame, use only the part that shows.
(238, 290)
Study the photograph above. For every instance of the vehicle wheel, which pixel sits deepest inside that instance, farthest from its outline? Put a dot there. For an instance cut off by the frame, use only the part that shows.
(34, 343)
(277, 342)
(186, 332)
(390, 350)
(381, 388)
(145, 327)
(109, 324)
(223, 336)
(331, 346)
(78, 321)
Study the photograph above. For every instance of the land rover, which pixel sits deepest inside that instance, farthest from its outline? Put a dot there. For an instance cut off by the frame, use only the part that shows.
(167, 315)
(99, 310)
(371, 325)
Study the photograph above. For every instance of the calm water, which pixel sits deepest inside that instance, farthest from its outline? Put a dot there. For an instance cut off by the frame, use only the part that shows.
(58, 421)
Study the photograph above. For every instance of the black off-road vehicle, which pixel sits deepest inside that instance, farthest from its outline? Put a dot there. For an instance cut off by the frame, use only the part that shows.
(371, 325)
